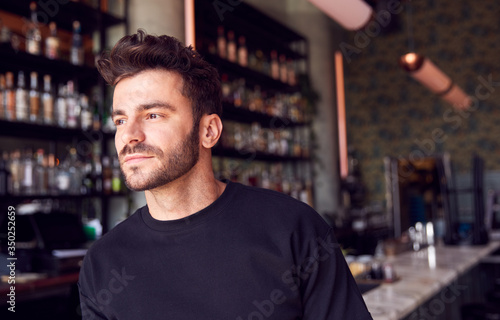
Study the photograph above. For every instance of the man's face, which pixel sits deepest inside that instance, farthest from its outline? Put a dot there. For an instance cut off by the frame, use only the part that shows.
(155, 138)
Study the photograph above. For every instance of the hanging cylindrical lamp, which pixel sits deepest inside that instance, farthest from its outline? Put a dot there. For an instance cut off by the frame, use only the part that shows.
(350, 14)
(427, 73)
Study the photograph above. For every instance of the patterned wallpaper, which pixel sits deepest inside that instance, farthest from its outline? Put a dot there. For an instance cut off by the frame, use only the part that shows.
(390, 114)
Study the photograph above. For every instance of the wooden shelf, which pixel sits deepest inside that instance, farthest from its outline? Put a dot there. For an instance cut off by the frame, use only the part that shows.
(254, 155)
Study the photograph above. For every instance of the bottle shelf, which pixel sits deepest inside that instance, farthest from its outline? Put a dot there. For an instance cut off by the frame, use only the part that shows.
(251, 155)
(240, 114)
(12, 60)
(91, 19)
(261, 31)
(41, 131)
(253, 77)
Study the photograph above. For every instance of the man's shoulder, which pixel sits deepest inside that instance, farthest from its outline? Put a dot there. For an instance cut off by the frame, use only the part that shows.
(269, 204)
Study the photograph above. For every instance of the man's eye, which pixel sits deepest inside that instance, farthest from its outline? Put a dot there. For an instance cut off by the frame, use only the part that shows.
(119, 122)
(154, 116)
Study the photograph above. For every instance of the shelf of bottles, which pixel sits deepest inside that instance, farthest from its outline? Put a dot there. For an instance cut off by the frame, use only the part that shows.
(53, 123)
(266, 137)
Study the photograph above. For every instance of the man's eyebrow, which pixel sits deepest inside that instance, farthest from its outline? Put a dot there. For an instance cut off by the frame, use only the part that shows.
(146, 106)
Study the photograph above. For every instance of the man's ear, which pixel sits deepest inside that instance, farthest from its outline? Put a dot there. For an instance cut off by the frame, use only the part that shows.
(210, 130)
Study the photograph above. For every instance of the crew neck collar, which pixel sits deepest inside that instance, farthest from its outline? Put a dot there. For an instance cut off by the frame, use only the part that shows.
(194, 219)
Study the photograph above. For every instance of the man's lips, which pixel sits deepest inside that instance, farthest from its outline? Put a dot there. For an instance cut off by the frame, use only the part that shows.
(135, 158)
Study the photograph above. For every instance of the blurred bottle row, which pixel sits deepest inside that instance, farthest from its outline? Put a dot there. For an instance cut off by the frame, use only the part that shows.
(293, 179)
(40, 104)
(291, 142)
(27, 172)
(275, 65)
(288, 106)
(51, 47)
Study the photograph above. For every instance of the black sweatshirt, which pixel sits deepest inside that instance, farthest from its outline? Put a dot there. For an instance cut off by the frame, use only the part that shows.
(252, 254)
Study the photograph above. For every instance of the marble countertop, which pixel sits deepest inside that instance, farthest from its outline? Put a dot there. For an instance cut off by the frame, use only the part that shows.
(422, 274)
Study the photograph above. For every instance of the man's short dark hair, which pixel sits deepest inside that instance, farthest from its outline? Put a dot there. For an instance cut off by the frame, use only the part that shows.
(140, 52)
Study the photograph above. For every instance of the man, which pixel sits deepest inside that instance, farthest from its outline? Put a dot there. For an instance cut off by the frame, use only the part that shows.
(201, 248)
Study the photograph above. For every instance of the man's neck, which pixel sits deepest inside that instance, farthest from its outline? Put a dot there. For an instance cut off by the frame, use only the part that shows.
(184, 196)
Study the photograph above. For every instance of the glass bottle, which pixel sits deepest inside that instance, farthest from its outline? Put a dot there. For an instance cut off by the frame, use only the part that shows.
(52, 43)
(116, 182)
(106, 175)
(221, 42)
(40, 173)
(34, 98)
(27, 164)
(283, 69)
(231, 46)
(47, 100)
(33, 34)
(15, 172)
(76, 54)
(22, 101)
(72, 106)
(275, 68)
(61, 109)
(86, 114)
(51, 174)
(10, 97)
(63, 176)
(75, 171)
(242, 52)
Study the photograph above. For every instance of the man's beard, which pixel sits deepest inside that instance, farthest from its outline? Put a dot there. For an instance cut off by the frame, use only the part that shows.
(175, 164)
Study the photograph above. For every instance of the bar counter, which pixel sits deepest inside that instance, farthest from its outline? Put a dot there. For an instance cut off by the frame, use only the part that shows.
(423, 275)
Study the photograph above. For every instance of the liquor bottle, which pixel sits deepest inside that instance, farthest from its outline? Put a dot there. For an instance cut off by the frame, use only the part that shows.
(27, 182)
(47, 101)
(87, 183)
(227, 95)
(86, 114)
(97, 173)
(275, 68)
(22, 101)
(77, 55)
(51, 174)
(33, 34)
(231, 46)
(221, 43)
(72, 106)
(106, 175)
(116, 182)
(14, 166)
(2, 96)
(75, 171)
(61, 109)
(63, 176)
(5, 33)
(239, 93)
(34, 98)
(10, 97)
(52, 43)
(40, 173)
(283, 69)
(242, 52)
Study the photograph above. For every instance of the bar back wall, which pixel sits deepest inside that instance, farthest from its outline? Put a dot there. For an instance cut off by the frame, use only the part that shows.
(391, 114)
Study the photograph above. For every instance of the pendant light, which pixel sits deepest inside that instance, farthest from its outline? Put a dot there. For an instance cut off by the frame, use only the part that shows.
(427, 73)
(350, 14)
